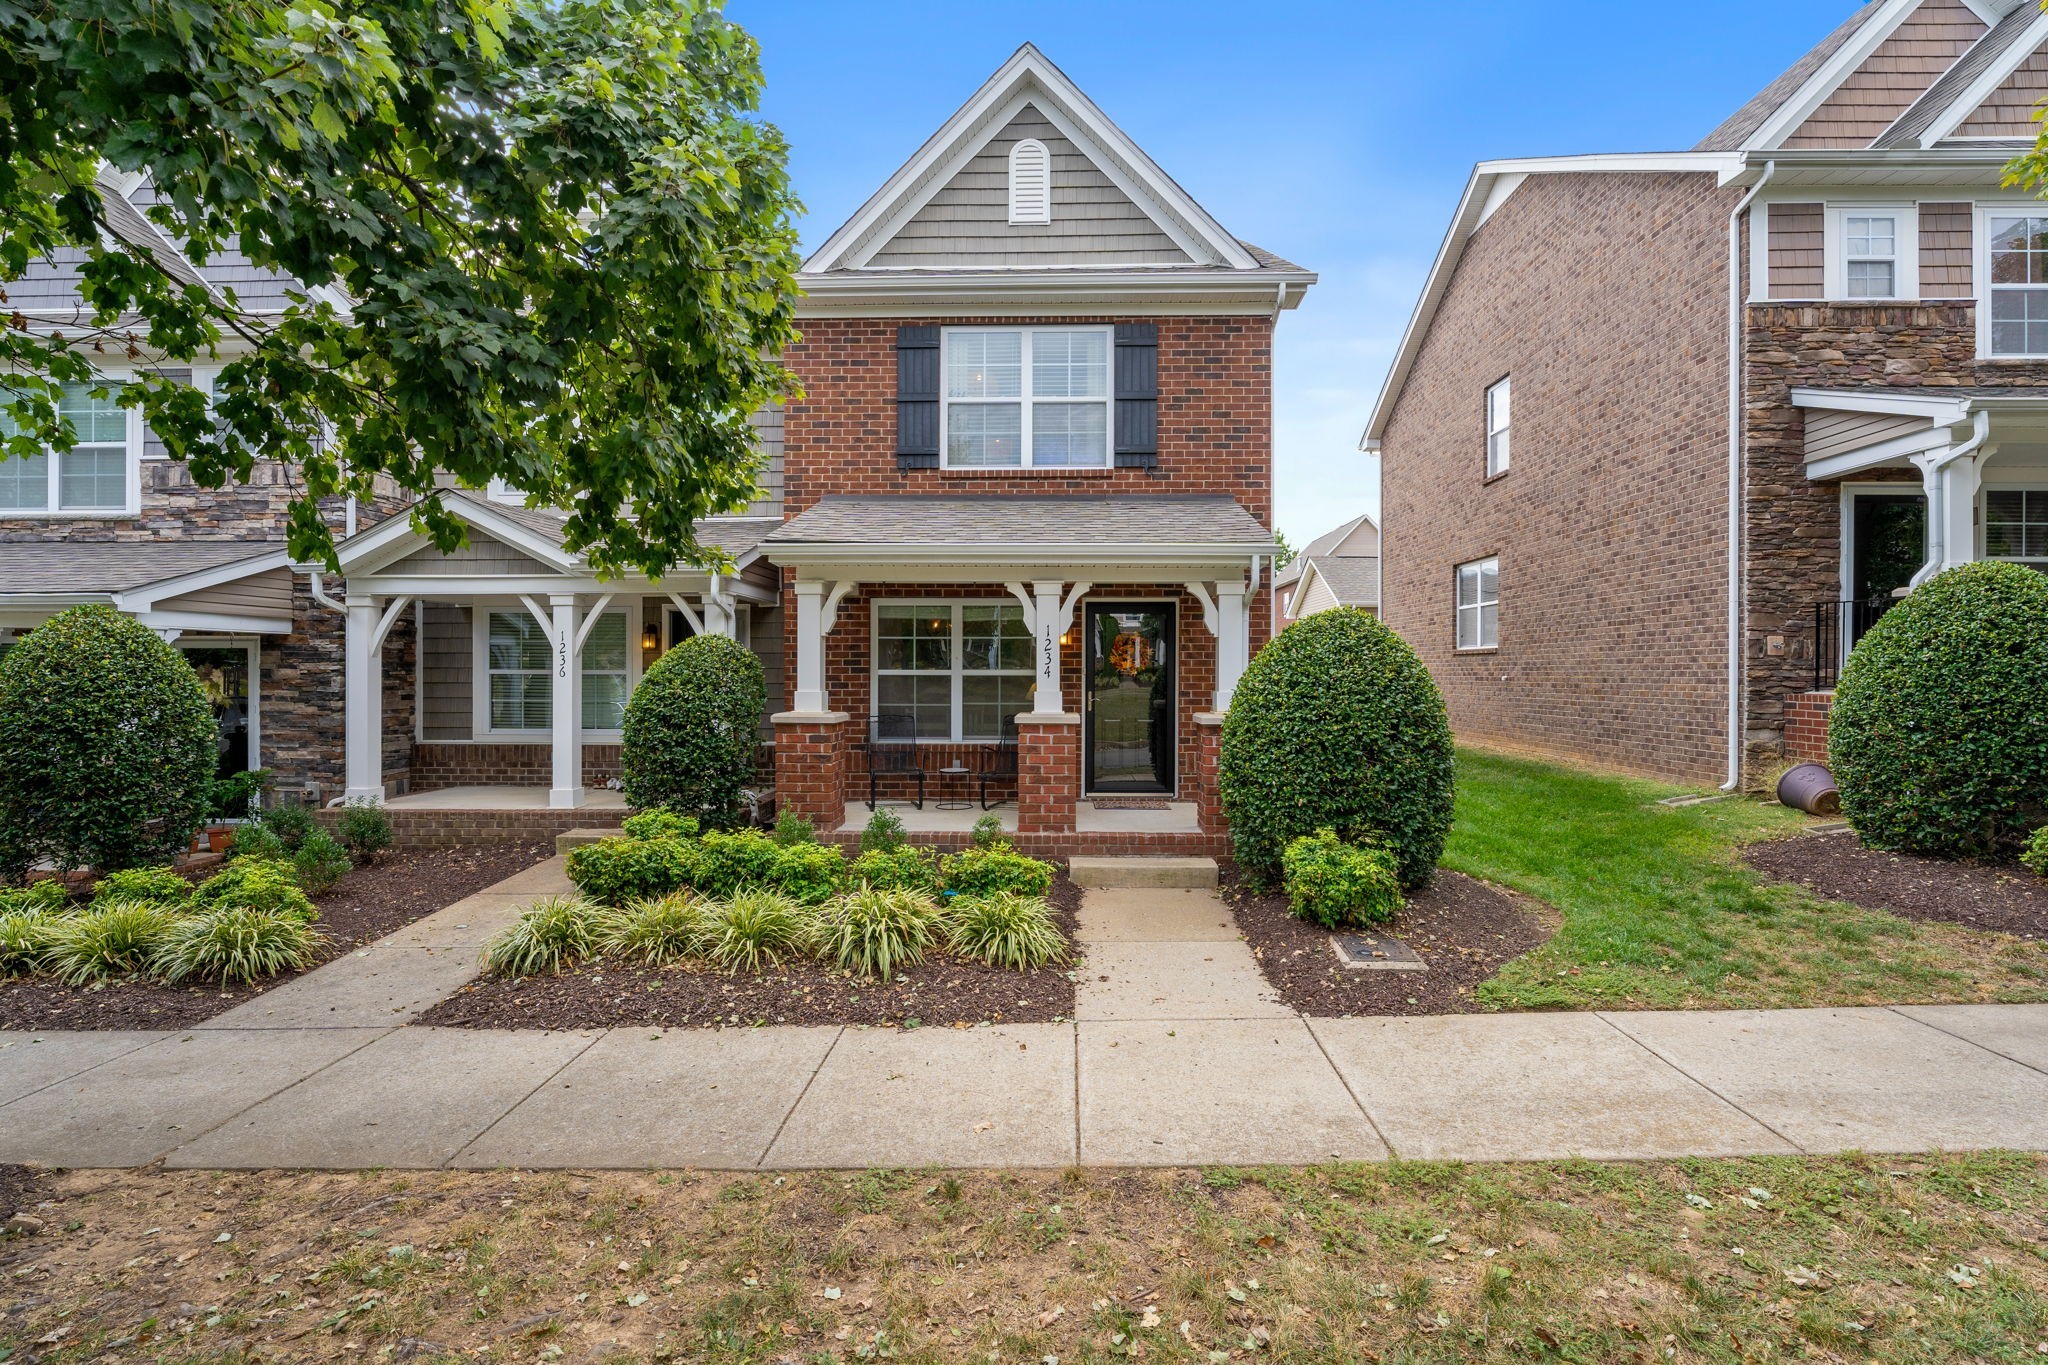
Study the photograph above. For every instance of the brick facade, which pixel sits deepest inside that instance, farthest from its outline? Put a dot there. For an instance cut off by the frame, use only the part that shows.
(438, 765)
(1806, 726)
(810, 767)
(1208, 789)
(417, 829)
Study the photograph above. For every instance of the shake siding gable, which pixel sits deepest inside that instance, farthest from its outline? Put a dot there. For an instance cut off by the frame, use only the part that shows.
(1797, 248)
(2009, 110)
(1866, 103)
(1947, 266)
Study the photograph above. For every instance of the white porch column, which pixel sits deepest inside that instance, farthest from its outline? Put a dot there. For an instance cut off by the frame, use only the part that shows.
(718, 610)
(1960, 480)
(363, 704)
(568, 705)
(1233, 640)
(810, 648)
(1045, 613)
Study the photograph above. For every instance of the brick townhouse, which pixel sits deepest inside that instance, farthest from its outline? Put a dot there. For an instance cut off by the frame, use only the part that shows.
(1021, 518)
(1667, 431)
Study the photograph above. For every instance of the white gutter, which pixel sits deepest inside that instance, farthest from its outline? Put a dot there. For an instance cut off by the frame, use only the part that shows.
(1735, 477)
(320, 593)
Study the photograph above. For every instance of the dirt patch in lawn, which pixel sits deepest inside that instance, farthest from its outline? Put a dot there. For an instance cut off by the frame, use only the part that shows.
(364, 906)
(942, 990)
(21, 1187)
(1463, 930)
(2005, 899)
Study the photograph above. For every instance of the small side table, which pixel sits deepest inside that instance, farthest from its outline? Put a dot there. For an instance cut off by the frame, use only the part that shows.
(961, 772)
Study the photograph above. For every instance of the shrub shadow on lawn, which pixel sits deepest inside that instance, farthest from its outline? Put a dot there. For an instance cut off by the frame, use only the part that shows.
(2003, 898)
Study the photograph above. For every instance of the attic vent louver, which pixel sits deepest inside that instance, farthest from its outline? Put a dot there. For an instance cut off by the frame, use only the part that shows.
(1030, 182)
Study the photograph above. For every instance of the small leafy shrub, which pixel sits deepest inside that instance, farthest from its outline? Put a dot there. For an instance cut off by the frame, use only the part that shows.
(1337, 723)
(261, 884)
(234, 797)
(884, 831)
(988, 832)
(235, 943)
(660, 824)
(254, 840)
(106, 941)
(107, 746)
(810, 873)
(553, 933)
(657, 932)
(366, 830)
(1340, 886)
(755, 929)
(731, 861)
(791, 828)
(1013, 932)
(896, 869)
(291, 824)
(2035, 855)
(159, 885)
(320, 862)
(1939, 733)
(877, 933)
(46, 896)
(25, 937)
(691, 729)
(995, 871)
(621, 871)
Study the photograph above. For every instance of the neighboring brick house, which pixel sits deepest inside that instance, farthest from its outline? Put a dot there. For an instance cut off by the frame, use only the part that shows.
(1339, 568)
(1564, 465)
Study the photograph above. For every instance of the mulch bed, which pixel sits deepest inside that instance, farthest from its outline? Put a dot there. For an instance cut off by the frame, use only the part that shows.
(364, 906)
(1462, 929)
(944, 990)
(2006, 898)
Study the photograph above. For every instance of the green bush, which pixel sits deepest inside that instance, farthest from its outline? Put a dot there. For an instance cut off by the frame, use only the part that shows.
(161, 885)
(366, 830)
(1939, 733)
(45, 896)
(234, 797)
(107, 746)
(656, 932)
(2035, 855)
(623, 870)
(291, 825)
(996, 871)
(25, 937)
(988, 832)
(877, 933)
(884, 832)
(735, 860)
(260, 884)
(902, 868)
(791, 828)
(320, 862)
(1013, 932)
(106, 941)
(691, 730)
(552, 933)
(1340, 886)
(255, 840)
(1336, 723)
(755, 929)
(810, 873)
(660, 824)
(235, 943)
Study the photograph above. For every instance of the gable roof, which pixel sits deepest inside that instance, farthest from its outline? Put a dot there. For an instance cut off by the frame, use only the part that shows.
(1738, 127)
(1324, 544)
(1353, 580)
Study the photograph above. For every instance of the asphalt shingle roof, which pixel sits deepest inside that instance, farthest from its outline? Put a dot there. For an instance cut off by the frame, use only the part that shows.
(1949, 86)
(62, 566)
(1355, 579)
(1765, 102)
(1109, 521)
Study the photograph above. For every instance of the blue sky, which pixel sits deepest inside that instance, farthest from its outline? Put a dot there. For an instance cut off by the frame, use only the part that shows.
(1338, 135)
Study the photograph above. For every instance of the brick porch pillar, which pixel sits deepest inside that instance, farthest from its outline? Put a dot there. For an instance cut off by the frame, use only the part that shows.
(810, 766)
(1806, 726)
(1048, 772)
(1208, 760)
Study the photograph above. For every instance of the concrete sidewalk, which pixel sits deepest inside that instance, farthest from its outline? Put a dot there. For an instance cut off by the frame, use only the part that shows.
(1178, 1054)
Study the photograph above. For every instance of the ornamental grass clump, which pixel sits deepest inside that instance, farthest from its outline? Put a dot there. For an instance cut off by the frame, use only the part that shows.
(25, 937)
(1339, 885)
(553, 933)
(996, 870)
(158, 885)
(660, 932)
(235, 943)
(757, 928)
(876, 933)
(1016, 933)
(107, 941)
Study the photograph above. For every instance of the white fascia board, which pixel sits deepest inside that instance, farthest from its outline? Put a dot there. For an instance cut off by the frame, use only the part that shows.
(395, 537)
(213, 622)
(1882, 452)
(54, 601)
(1891, 170)
(884, 294)
(1959, 110)
(1789, 116)
(1941, 409)
(140, 598)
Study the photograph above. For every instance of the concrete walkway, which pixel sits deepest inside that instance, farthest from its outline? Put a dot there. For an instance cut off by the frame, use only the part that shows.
(1178, 1054)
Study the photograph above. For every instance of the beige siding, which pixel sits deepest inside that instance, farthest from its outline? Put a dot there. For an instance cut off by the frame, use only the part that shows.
(266, 594)
(2009, 112)
(1829, 432)
(768, 649)
(447, 668)
(1796, 248)
(1904, 65)
(1946, 261)
(967, 222)
(1316, 597)
(482, 555)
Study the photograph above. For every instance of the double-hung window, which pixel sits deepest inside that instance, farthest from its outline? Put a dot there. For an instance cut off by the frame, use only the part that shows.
(1478, 609)
(958, 669)
(1497, 396)
(1872, 252)
(91, 477)
(519, 671)
(2016, 525)
(2018, 251)
(1026, 397)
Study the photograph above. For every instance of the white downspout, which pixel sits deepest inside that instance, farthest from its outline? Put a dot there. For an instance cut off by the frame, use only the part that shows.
(1735, 477)
(320, 594)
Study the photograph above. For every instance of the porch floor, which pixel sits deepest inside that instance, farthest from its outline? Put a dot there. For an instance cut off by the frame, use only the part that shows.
(499, 798)
(1178, 818)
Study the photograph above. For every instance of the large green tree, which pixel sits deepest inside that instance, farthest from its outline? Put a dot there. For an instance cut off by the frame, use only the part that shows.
(537, 240)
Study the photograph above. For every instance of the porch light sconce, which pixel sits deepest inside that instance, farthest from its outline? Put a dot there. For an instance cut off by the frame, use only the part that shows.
(650, 638)
(1066, 638)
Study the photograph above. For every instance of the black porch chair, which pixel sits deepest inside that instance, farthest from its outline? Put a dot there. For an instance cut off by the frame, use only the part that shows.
(892, 752)
(999, 762)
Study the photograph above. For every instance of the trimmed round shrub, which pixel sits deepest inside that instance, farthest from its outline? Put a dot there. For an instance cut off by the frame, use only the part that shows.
(320, 862)
(1340, 886)
(735, 860)
(291, 824)
(621, 871)
(256, 840)
(660, 824)
(810, 873)
(896, 869)
(366, 829)
(1939, 733)
(1337, 724)
(44, 897)
(2035, 855)
(691, 730)
(107, 746)
(996, 871)
(161, 885)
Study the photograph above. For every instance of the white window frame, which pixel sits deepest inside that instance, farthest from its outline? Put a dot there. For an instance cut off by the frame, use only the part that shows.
(957, 657)
(1499, 458)
(480, 670)
(1981, 240)
(1459, 606)
(1905, 257)
(132, 440)
(1990, 486)
(1026, 399)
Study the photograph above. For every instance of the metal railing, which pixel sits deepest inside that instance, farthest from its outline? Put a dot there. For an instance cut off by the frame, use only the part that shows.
(1837, 626)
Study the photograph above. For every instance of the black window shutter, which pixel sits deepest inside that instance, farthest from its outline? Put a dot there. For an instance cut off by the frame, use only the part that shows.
(1137, 395)
(917, 397)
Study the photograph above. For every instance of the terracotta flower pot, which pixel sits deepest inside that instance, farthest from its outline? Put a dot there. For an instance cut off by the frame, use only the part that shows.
(217, 837)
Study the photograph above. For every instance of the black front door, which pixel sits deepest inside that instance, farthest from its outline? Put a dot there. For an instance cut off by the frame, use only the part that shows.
(224, 674)
(1890, 532)
(1128, 736)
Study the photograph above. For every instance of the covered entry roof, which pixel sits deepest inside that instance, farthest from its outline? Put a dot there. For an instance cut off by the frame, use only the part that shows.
(1087, 527)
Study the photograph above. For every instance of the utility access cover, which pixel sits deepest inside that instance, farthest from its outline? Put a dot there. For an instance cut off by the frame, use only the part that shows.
(1376, 952)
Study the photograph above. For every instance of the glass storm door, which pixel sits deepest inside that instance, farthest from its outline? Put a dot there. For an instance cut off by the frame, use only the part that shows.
(224, 675)
(1128, 739)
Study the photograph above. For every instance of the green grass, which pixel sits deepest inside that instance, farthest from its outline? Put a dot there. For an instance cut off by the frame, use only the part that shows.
(1658, 913)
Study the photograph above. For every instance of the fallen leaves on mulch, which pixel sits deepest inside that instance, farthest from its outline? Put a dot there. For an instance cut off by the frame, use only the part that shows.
(2005, 898)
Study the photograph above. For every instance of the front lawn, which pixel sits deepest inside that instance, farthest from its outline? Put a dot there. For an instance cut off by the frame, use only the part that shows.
(1658, 913)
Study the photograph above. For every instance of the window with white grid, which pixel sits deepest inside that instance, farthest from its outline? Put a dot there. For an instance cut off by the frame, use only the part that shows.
(1026, 397)
(92, 477)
